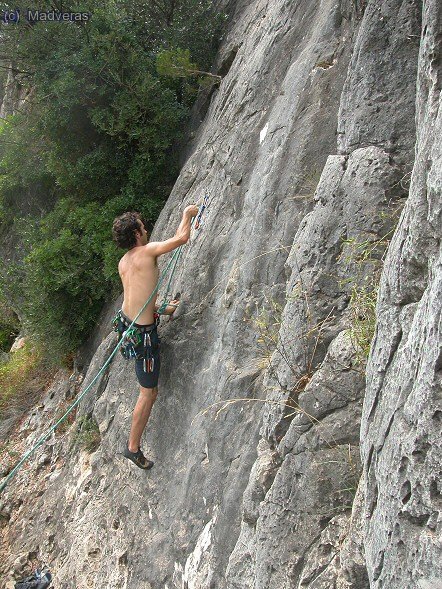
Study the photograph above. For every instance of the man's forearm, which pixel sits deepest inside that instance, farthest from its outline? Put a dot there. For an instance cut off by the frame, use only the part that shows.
(183, 231)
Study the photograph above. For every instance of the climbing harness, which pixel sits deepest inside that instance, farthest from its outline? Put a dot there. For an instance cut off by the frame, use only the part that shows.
(173, 261)
(136, 340)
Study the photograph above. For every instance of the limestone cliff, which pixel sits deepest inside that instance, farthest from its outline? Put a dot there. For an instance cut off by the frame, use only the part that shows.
(306, 151)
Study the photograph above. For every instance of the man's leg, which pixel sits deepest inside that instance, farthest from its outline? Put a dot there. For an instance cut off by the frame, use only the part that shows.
(141, 415)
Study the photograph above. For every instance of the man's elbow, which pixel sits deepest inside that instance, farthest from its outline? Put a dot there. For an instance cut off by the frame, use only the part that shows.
(183, 238)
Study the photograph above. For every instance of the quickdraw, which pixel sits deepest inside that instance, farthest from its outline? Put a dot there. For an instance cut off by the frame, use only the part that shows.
(131, 339)
(203, 207)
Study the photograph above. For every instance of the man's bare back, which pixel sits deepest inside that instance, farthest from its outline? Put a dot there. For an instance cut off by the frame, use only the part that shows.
(139, 274)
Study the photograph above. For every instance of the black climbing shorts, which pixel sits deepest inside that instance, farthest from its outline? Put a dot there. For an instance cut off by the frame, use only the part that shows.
(141, 343)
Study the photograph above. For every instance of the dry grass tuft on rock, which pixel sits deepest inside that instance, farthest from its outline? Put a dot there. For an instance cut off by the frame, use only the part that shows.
(87, 435)
(363, 318)
(22, 380)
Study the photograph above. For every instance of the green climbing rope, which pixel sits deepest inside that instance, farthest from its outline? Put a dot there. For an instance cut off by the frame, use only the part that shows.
(165, 303)
(173, 260)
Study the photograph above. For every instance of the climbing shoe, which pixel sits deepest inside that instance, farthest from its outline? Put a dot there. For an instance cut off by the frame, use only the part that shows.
(138, 458)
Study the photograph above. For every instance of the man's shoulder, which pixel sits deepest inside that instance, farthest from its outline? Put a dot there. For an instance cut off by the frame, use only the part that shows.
(141, 250)
(150, 249)
(146, 254)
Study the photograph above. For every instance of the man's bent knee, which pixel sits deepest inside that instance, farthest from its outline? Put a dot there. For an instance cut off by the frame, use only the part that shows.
(149, 393)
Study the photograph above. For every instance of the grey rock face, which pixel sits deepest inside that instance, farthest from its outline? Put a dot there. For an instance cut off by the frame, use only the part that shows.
(316, 481)
(257, 478)
(375, 106)
(352, 572)
(402, 410)
(356, 202)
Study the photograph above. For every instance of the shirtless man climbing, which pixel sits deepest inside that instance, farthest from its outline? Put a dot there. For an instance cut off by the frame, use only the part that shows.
(139, 274)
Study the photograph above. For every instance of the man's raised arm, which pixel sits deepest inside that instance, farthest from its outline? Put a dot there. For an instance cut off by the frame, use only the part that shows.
(182, 234)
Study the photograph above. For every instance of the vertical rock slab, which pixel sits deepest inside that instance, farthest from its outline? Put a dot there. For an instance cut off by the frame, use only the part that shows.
(314, 388)
(401, 427)
(375, 105)
(360, 191)
(258, 154)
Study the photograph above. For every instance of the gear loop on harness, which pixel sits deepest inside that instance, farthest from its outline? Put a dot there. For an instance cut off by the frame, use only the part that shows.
(136, 342)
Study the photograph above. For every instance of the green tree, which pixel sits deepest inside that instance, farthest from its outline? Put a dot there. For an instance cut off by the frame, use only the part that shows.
(96, 135)
(177, 64)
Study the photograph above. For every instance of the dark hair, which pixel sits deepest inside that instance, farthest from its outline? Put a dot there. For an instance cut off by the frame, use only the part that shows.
(124, 229)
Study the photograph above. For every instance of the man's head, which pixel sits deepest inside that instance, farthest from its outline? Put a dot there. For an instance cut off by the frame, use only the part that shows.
(128, 230)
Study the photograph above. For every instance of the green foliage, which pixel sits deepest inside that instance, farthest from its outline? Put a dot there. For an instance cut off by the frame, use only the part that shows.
(87, 435)
(177, 64)
(25, 184)
(94, 139)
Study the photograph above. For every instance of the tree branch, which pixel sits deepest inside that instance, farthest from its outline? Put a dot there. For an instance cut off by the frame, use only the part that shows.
(16, 71)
